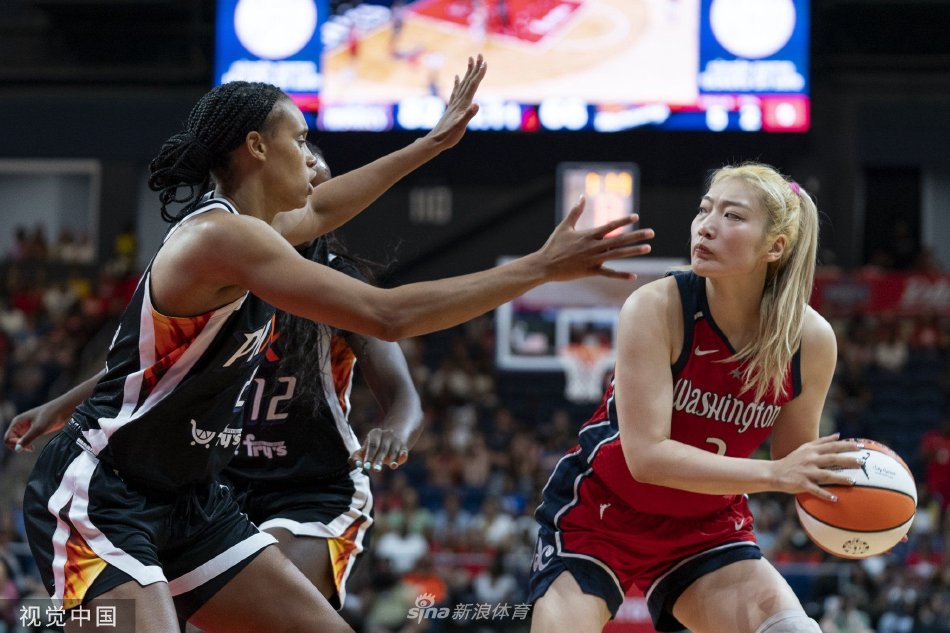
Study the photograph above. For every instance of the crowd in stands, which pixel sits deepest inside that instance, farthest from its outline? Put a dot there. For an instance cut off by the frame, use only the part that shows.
(454, 535)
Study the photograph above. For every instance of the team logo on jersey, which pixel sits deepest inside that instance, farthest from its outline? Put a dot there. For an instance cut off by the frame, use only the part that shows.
(258, 448)
(542, 557)
(255, 343)
(723, 407)
(227, 437)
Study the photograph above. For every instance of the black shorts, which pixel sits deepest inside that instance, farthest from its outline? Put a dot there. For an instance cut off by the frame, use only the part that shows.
(90, 531)
(338, 510)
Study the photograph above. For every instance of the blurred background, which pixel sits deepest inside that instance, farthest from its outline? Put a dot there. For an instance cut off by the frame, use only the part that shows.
(632, 102)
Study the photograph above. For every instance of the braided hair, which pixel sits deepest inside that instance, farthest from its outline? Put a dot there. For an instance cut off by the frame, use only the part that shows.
(216, 126)
(303, 350)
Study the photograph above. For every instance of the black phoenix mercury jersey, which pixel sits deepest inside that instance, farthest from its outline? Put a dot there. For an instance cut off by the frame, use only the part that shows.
(293, 438)
(166, 414)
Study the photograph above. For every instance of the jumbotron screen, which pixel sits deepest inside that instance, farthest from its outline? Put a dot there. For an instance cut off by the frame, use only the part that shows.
(553, 65)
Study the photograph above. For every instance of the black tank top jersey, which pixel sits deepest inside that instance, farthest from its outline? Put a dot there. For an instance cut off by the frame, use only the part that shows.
(293, 438)
(166, 414)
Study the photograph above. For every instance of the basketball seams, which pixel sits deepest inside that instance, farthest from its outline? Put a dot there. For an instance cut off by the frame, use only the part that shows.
(848, 529)
(888, 497)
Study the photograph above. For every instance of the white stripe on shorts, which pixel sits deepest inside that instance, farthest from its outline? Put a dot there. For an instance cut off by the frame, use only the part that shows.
(361, 505)
(75, 487)
(220, 563)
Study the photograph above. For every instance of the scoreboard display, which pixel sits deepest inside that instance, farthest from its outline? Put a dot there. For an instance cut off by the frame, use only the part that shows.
(609, 189)
(554, 65)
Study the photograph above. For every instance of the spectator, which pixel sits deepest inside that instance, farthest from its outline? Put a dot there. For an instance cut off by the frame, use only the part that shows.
(9, 595)
(451, 520)
(935, 450)
(890, 350)
(844, 616)
(497, 526)
(494, 586)
(402, 548)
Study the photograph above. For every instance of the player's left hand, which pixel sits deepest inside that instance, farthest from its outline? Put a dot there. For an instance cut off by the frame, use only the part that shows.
(383, 447)
(460, 109)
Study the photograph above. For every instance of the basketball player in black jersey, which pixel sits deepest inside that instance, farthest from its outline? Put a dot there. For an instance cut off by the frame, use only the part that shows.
(125, 502)
(300, 473)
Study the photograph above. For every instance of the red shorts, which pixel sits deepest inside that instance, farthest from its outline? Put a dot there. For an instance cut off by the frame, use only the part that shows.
(589, 531)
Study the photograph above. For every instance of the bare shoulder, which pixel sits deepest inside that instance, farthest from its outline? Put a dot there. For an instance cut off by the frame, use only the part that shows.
(819, 345)
(817, 332)
(652, 316)
(217, 229)
(657, 299)
(216, 236)
(216, 249)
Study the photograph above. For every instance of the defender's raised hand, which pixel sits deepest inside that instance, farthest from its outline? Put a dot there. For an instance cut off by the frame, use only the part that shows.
(569, 253)
(460, 109)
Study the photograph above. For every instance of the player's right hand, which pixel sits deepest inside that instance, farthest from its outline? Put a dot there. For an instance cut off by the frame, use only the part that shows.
(31, 424)
(569, 253)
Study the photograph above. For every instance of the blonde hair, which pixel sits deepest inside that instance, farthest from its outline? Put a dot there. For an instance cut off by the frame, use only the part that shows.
(791, 212)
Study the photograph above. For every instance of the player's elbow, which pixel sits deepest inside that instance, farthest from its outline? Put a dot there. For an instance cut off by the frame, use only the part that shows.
(390, 326)
(638, 463)
(641, 473)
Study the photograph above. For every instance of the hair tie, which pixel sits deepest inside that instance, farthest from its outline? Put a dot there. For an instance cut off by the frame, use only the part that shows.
(795, 187)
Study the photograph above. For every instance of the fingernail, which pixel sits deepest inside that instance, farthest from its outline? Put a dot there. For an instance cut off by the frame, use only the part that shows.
(393, 464)
(359, 463)
(834, 497)
(853, 481)
(366, 466)
(378, 467)
(18, 448)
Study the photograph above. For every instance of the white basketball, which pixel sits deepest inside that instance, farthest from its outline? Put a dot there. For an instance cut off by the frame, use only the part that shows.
(868, 518)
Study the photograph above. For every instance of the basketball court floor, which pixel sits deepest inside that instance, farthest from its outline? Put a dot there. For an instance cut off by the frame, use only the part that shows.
(604, 50)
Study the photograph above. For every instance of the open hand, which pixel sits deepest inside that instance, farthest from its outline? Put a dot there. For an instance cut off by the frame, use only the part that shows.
(460, 109)
(569, 253)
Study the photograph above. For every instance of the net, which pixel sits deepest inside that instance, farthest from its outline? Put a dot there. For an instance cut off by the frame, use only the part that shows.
(585, 366)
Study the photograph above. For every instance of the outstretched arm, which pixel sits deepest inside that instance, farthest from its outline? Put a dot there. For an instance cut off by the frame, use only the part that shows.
(48, 417)
(386, 372)
(336, 201)
(273, 271)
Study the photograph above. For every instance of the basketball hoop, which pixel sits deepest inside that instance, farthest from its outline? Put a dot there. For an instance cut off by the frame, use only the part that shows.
(584, 367)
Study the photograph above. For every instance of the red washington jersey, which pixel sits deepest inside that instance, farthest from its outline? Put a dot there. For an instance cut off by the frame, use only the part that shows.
(708, 412)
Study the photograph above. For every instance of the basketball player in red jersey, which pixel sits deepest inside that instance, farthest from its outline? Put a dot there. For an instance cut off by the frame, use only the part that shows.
(125, 502)
(710, 363)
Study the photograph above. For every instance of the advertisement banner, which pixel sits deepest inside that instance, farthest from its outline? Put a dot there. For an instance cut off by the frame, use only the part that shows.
(878, 292)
